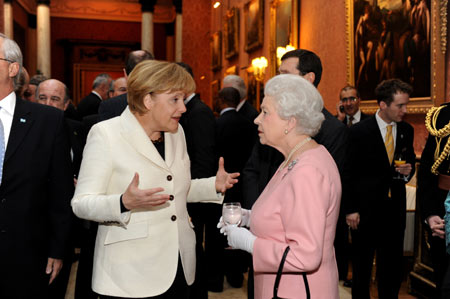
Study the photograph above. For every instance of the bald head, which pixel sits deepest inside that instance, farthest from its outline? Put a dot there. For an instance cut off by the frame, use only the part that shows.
(135, 57)
(54, 93)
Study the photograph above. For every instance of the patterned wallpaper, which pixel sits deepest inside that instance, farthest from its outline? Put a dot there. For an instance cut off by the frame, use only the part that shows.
(196, 49)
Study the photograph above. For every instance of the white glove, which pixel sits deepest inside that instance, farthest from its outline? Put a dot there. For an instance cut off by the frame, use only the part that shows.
(239, 238)
(245, 220)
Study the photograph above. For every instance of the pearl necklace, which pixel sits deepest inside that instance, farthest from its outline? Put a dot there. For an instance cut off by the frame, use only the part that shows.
(296, 148)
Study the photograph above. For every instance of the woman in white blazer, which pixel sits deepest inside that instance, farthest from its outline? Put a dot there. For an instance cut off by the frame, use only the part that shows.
(135, 181)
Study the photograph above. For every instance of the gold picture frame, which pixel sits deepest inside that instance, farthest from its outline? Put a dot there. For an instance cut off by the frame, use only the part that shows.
(216, 51)
(284, 16)
(231, 29)
(254, 24)
(358, 52)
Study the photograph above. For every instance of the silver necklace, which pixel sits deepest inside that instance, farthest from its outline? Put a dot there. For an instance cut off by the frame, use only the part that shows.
(296, 148)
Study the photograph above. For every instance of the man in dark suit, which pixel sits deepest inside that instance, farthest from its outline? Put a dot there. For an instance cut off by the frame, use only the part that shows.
(349, 113)
(376, 209)
(55, 93)
(348, 107)
(244, 107)
(199, 126)
(433, 185)
(100, 87)
(115, 106)
(235, 138)
(36, 187)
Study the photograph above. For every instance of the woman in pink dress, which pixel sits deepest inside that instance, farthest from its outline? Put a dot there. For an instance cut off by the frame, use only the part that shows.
(299, 207)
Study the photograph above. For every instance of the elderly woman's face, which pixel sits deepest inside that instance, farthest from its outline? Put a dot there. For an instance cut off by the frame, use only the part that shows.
(270, 126)
(165, 110)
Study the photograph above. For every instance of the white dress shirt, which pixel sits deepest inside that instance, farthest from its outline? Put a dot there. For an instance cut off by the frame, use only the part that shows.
(7, 104)
(383, 127)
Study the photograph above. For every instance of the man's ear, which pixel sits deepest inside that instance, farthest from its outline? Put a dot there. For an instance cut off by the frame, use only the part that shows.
(14, 69)
(383, 105)
(66, 104)
(310, 77)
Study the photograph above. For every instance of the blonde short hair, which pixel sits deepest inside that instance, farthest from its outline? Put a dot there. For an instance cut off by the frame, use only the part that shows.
(153, 76)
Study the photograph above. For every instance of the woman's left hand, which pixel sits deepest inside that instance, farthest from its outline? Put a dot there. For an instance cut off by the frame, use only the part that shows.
(239, 237)
(225, 180)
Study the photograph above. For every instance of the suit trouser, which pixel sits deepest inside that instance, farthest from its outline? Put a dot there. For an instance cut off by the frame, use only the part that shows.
(343, 248)
(205, 217)
(83, 285)
(385, 239)
(440, 259)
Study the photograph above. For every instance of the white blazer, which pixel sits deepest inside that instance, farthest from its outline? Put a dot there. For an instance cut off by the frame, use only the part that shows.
(136, 253)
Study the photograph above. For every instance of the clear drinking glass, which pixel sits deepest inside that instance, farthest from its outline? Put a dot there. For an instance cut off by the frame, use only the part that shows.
(399, 159)
(232, 213)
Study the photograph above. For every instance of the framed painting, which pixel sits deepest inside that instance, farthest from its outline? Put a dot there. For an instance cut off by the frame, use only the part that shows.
(231, 29)
(396, 39)
(216, 51)
(254, 24)
(283, 29)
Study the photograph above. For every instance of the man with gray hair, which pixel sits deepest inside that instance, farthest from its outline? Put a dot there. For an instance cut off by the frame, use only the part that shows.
(100, 87)
(36, 187)
(244, 107)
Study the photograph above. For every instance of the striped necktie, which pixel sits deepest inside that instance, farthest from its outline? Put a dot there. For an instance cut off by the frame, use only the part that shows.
(2, 149)
(389, 143)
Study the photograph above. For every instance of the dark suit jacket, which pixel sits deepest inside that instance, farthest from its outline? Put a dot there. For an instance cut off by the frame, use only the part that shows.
(77, 139)
(36, 190)
(199, 126)
(88, 105)
(112, 107)
(429, 196)
(248, 111)
(265, 160)
(235, 138)
(373, 175)
(363, 117)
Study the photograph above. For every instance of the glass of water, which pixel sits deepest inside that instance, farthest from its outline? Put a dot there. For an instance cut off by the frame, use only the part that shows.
(231, 213)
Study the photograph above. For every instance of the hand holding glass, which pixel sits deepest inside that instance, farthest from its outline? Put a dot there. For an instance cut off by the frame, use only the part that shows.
(231, 213)
(399, 160)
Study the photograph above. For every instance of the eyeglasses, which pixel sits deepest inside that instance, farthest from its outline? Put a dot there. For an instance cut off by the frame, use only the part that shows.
(8, 60)
(349, 99)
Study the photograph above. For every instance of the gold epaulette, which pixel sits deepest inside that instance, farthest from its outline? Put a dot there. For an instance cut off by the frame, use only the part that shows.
(439, 134)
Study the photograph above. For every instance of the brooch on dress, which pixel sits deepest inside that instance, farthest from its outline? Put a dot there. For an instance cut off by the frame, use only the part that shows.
(290, 166)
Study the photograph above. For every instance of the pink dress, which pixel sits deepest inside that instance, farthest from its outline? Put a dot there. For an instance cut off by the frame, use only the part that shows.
(299, 208)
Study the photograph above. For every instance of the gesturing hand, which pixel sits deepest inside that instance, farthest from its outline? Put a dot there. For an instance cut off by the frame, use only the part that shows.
(135, 198)
(225, 180)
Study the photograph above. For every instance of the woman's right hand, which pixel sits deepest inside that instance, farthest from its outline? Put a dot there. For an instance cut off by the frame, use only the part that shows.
(135, 198)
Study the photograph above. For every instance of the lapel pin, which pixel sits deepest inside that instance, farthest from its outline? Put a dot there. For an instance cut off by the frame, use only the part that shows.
(23, 120)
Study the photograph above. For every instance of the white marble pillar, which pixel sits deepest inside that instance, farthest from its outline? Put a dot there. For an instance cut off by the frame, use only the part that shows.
(147, 31)
(8, 19)
(43, 38)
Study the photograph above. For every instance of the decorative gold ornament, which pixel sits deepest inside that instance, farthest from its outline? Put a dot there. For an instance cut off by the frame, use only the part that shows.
(430, 124)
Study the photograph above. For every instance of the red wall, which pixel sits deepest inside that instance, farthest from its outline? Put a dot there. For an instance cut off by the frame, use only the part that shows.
(196, 51)
(62, 28)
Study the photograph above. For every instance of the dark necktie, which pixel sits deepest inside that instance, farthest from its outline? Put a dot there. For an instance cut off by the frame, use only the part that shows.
(350, 121)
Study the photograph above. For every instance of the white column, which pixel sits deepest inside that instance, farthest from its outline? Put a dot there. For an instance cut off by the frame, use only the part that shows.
(179, 38)
(43, 39)
(147, 31)
(8, 19)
